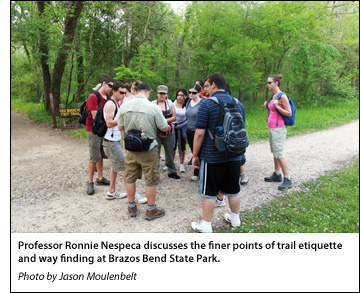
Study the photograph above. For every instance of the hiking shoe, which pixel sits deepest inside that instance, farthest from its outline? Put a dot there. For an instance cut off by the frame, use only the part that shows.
(244, 179)
(234, 224)
(115, 195)
(103, 181)
(174, 176)
(182, 169)
(154, 214)
(194, 178)
(165, 168)
(220, 203)
(90, 188)
(132, 211)
(286, 184)
(274, 178)
(200, 227)
(140, 199)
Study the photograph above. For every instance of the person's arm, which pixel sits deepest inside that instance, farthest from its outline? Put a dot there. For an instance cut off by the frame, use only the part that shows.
(109, 115)
(286, 111)
(173, 117)
(198, 140)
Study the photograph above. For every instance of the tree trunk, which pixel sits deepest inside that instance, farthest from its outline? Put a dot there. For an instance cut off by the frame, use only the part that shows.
(69, 32)
(181, 45)
(44, 57)
(79, 96)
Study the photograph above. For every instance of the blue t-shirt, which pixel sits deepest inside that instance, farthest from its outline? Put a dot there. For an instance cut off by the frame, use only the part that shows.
(208, 117)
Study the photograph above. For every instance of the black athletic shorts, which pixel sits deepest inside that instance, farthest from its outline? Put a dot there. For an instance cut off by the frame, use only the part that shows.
(219, 177)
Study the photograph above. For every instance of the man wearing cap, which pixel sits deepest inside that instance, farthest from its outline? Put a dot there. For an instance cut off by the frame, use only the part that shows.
(140, 114)
(167, 138)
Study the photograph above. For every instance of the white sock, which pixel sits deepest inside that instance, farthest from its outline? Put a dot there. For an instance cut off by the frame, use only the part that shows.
(287, 177)
(277, 172)
(206, 224)
(234, 217)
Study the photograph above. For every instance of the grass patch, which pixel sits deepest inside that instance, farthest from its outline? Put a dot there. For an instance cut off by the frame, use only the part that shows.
(82, 133)
(35, 111)
(327, 205)
(306, 119)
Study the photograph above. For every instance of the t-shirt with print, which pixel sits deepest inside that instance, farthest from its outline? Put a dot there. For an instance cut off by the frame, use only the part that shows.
(208, 118)
(92, 105)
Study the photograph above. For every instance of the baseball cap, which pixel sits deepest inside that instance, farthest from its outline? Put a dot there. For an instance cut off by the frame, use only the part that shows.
(162, 89)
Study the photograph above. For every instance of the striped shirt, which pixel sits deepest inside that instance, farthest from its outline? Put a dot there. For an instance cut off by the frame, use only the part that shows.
(208, 117)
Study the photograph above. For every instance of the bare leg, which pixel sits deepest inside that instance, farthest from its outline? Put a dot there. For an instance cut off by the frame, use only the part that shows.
(208, 205)
(130, 191)
(182, 157)
(113, 176)
(277, 165)
(91, 171)
(99, 166)
(234, 203)
(284, 166)
(150, 192)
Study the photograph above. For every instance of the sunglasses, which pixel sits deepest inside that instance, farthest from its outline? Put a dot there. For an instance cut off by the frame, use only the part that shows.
(121, 92)
(193, 93)
(269, 82)
(110, 85)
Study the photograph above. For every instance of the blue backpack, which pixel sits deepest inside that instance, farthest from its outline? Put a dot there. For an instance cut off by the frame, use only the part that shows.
(288, 120)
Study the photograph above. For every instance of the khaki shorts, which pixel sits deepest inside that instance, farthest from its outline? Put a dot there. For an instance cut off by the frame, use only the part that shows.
(277, 137)
(96, 149)
(138, 162)
(114, 152)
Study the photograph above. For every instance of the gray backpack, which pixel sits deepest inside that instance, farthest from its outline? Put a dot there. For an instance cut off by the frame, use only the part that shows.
(231, 137)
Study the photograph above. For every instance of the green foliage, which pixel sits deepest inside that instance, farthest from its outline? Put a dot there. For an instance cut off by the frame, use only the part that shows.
(327, 205)
(81, 133)
(314, 44)
(35, 111)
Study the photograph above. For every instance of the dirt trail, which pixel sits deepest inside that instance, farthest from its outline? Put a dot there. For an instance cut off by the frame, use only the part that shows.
(49, 175)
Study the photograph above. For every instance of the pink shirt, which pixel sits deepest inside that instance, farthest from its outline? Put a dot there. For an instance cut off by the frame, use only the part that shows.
(275, 120)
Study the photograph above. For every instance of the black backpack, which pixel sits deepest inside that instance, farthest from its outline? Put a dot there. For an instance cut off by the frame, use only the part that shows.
(83, 113)
(231, 137)
(99, 126)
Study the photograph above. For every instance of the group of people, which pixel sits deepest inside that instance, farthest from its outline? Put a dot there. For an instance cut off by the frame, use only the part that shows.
(172, 124)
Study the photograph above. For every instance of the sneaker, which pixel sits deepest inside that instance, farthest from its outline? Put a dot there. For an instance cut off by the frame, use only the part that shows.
(220, 203)
(174, 176)
(90, 188)
(200, 227)
(286, 184)
(274, 178)
(132, 211)
(103, 181)
(182, 169)
(234, 224)
(140, 199)
(115, 195)
(154, 214)
(194, 178)
(244, 179)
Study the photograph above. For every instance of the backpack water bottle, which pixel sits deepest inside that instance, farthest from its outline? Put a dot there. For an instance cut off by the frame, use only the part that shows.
(220, 139)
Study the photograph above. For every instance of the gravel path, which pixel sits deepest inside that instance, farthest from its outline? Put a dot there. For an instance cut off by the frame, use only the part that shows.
(49, 174)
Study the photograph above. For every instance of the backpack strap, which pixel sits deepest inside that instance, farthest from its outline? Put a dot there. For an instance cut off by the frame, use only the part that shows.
(97, 94)
(279, 95)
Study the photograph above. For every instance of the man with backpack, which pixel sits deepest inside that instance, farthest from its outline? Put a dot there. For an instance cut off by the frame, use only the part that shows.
(96, 151)
(219, 170)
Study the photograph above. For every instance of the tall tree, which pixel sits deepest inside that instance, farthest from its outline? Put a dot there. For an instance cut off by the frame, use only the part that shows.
(53, 84)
